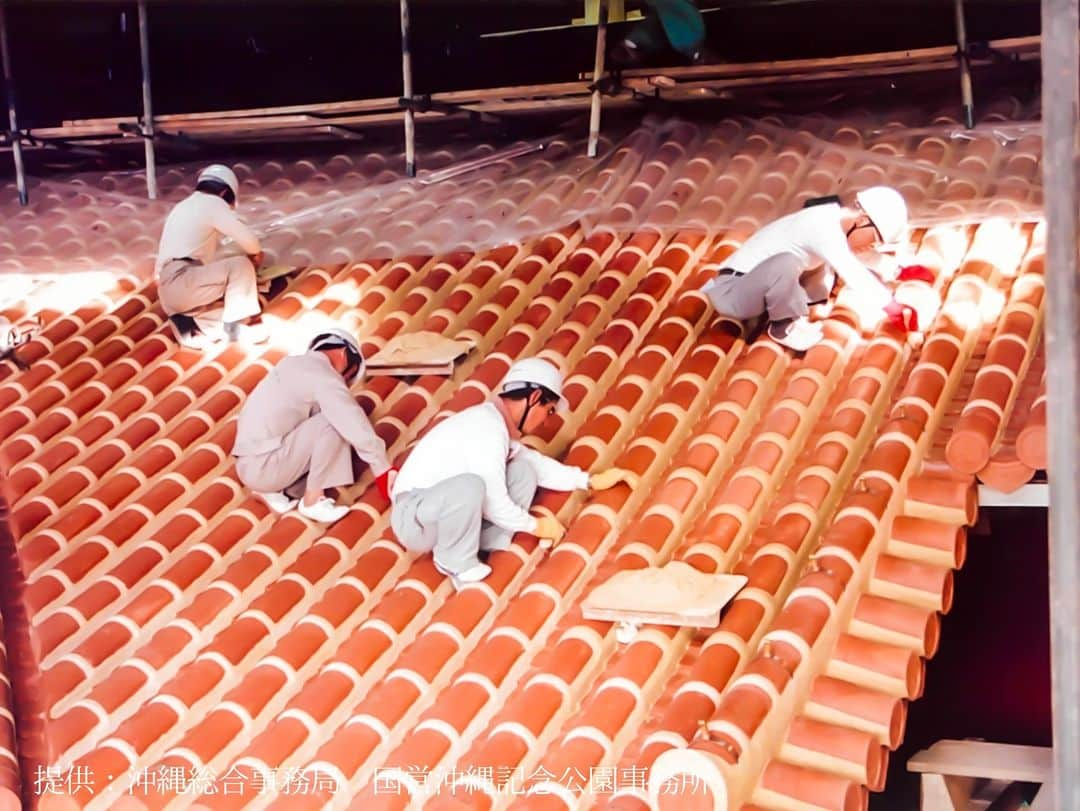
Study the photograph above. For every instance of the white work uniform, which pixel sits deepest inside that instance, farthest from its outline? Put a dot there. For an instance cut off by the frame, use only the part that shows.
(789, 264)
(298, 428)
(467, 486)
(189, 277)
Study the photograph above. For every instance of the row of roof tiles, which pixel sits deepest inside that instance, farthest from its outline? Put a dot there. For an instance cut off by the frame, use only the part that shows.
(177, 624)
(349, 207)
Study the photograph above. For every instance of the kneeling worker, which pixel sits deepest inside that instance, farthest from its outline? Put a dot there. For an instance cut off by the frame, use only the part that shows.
(298, 428)
(792, 263)
(189, 275)
(467, 485)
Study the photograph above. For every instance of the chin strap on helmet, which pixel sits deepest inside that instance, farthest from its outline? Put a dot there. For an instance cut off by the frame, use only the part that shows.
(528, 408)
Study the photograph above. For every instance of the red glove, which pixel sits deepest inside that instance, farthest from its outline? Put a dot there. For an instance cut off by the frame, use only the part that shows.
(902, 316)
(384, 481)
(915, 273)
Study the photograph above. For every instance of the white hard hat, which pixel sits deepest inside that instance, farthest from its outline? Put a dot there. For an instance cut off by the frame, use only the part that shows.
(334, 337)
(535, 372)
(886, 209)
(221, 173)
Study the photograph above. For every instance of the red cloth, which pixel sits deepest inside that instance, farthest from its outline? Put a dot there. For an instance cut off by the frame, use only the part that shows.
(902, 316)
(383, 483)
(916, 273)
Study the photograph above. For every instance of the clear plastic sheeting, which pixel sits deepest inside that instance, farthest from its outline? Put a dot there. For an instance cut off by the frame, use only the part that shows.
(666, 174)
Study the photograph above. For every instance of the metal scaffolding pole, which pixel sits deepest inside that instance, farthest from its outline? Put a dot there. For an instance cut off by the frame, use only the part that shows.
(598, 72)
(147, 105)
(13, 120)
(966, 95)
(1060, 91)
(407, 89)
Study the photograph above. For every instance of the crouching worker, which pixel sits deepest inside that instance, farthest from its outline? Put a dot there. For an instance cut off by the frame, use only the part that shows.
(467, 485)
(792, 263)
(298, 428)
(190, 278)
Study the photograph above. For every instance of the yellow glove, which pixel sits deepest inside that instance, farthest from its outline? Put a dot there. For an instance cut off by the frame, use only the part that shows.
(549, 530)
(606, 479)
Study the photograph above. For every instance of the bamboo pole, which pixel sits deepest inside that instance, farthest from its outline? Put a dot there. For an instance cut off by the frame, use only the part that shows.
(13, 119)
(966, 96)
(407, 92)
(148, 109)
(598, 72)
(1060, 90)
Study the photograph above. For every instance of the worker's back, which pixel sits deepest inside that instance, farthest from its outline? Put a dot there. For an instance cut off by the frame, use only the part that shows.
(190, 230)
(287, 396)
(804, 234)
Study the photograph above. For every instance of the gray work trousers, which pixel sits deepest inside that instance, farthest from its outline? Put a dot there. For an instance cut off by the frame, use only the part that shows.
(188, 286)
(779, 287)
(447, 519)
(312, 456)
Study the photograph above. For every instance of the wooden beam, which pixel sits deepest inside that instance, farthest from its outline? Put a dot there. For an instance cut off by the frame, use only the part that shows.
(705, 83)
(1007, 46)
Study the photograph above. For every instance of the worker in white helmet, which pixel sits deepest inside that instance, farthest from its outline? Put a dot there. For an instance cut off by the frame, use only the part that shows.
(793, 262)
(298, 429)
(191, 278)
(467, 485)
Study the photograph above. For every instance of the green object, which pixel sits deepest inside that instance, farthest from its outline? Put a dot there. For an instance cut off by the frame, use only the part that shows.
(678, 22)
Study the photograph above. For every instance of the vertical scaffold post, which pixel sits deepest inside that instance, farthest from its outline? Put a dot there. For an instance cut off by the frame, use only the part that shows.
(598, 72)
(13, 119)
(1060, 91)
(407, 91)
(148, 107)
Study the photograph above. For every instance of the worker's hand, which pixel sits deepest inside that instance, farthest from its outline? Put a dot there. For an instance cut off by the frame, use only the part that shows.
(385, 482)
(885, 267)
(257, 259)
(915, 273)
(902, 316)
(549, 529)
(606, 479)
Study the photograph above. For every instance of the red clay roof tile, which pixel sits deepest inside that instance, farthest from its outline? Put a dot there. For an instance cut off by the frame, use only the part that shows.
(179, 624)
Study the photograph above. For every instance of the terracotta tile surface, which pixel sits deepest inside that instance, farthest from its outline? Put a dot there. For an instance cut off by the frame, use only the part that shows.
(194, 651)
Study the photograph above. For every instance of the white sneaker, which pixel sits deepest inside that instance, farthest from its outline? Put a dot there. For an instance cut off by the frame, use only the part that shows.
(325, 511)
(247, 334)
(196, 340)
(278, 502)
(474, 574)
(798, 335)
(820, 310)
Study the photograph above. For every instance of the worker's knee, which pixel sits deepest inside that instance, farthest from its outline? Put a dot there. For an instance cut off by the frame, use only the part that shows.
(244, 472)
(324, 437)
(468, 490)
(239, 267)
(456, 499)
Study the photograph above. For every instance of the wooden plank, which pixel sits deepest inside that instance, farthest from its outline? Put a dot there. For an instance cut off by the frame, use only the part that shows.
(685, 619)
(674, 594)
(418, 353)
(1010, 45)
(410, 370)
(998, 761)
(355, 106)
